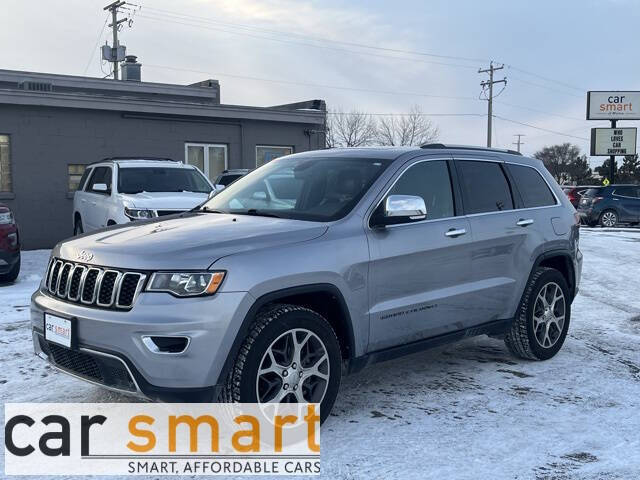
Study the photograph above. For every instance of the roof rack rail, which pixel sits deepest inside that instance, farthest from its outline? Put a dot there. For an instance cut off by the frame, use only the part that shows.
(469, 147)
(135, 158)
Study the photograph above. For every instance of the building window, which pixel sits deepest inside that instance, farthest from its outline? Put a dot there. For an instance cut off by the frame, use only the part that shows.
(75, 172)
(266, 153)
(5, 165)
(210, 159)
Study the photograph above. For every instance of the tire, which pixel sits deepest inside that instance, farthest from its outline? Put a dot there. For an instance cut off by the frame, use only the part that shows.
(77, 227)
(11, 275)
(608, 218)
(523, 339)
(275, 328)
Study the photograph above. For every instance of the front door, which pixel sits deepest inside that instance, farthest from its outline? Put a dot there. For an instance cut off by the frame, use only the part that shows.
(419, 270)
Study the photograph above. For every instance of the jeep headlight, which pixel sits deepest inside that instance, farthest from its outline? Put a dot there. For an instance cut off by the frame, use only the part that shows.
(186, 284)
(138, 213)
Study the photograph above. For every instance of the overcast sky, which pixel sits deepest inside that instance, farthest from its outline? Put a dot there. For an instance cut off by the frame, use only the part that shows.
(553, 51)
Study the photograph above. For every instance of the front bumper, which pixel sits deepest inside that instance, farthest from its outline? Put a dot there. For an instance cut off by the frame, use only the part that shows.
(110, 345)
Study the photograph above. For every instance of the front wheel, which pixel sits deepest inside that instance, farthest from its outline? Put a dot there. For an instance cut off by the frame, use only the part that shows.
(609, 218)
(77, 227)
(542, 321)
(291, 355)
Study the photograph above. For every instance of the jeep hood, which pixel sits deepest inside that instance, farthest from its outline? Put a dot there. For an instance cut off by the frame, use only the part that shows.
(164, 200)
(188, 241)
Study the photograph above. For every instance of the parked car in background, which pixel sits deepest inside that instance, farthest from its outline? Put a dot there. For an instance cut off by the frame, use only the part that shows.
(608, 206)
(9, 246)
(574, 193)
(363, 255)
(227, 177)
(120, 190)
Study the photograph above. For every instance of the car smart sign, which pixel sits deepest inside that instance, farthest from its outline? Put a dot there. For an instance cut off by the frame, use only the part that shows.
(613, 105)
(613, 141)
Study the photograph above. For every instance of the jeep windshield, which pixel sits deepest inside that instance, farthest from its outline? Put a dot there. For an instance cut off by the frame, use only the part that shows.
(301, 188)
(133, 180)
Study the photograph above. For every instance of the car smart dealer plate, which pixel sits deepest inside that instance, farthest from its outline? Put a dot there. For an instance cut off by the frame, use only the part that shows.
(58, 330)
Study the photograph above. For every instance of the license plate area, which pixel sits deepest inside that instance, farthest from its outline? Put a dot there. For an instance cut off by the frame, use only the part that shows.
(61, 331)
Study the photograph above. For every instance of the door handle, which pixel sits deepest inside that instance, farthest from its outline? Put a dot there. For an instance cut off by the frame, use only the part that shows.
(524, 222)
(455, 232)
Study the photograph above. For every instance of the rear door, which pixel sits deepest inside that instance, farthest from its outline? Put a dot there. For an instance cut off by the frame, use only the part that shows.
(418, 270)
(97, 202)
(506, 240)
(627, 201)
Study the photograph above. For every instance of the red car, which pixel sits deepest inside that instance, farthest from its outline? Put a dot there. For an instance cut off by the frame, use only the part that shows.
(9, 246)
(574, 193)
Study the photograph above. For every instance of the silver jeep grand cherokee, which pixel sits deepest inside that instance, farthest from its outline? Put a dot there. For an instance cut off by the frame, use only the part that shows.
(313, 265)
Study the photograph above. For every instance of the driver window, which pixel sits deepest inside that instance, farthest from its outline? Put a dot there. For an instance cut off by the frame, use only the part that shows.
(429, 180)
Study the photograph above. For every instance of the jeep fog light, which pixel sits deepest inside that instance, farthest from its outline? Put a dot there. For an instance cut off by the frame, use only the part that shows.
(186, 284)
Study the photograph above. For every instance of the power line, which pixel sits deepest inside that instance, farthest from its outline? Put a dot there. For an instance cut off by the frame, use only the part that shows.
(160, 12)
(422, 114)
(512, 77)
(307, 44)
(548, 79)
(539, 128)
(539, 111)
(93, 52)
(315, 85)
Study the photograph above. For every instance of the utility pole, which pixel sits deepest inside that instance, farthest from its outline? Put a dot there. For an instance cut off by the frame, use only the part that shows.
(113, 8)
(519, 142)
(490, 84)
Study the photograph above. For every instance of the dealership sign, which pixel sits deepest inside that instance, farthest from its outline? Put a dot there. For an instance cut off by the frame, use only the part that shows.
(161, 439)
(613, 105)
(613, 141)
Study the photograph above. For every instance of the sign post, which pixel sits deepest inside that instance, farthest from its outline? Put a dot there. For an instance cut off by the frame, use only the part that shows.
(613, 106)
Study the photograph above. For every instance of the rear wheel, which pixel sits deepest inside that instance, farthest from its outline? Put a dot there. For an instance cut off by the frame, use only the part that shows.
(608, 218)
(540, 327)
(291, 355)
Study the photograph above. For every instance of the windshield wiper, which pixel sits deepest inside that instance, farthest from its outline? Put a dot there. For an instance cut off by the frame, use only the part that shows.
(257, 213)
(206, 210)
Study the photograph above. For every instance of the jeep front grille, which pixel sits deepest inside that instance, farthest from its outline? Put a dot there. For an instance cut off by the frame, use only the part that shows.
(101, 287)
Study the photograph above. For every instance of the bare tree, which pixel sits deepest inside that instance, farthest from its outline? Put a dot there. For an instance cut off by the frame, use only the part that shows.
(352, 129)
(411, 129)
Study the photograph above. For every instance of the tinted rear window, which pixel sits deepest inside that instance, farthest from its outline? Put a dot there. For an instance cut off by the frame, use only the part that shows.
(592, 192)
(484, 186)
(532, 187)
(227, 179)
(160, 179)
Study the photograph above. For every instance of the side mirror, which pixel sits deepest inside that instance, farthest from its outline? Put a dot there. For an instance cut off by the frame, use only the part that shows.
(100, 187)
(400, 209)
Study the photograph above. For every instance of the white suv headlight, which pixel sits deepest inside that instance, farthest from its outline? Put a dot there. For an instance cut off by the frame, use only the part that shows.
(186, 284)
(138, 213)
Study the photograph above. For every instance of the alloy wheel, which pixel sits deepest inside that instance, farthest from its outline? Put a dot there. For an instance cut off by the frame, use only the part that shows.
(294, 369)
(609, 219)
(549, 315)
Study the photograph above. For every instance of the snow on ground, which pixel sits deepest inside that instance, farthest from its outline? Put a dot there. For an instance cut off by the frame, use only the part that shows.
(464, 411)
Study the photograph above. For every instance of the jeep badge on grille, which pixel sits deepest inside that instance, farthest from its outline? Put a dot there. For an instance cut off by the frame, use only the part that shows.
(84, 256)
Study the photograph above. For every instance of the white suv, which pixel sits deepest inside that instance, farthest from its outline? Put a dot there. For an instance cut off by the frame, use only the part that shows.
(119, 190)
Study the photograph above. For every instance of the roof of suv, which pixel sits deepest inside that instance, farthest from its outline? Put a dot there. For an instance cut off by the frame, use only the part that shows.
(391, 153)
(143, 162)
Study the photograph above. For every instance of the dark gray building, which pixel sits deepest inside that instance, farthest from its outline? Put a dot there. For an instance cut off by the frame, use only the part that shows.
(51, 126)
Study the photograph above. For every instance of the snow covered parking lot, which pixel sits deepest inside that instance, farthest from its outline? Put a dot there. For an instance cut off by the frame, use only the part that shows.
(467, 410)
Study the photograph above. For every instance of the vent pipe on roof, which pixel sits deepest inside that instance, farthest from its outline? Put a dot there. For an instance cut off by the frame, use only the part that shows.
(131, 69)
